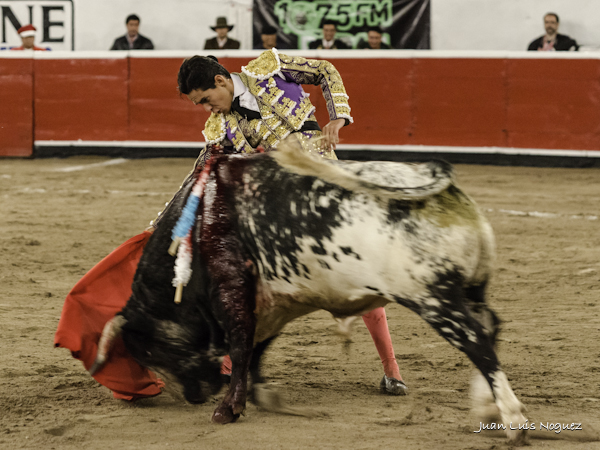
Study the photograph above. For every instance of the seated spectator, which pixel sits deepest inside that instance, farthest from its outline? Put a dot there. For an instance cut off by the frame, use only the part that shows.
(221, 41)
(27, 33)
(374, 40)
(132, 40)
(329, 41)
(552, 40)
(268, 37)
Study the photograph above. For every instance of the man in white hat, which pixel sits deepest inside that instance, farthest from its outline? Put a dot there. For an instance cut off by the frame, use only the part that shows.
(221, 41)
(27, 33)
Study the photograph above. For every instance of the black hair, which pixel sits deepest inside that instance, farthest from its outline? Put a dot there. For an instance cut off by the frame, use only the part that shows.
(198, 72)
(268, 29)
(330, 22)
(132, 17)
(553, 14)
(376, 29)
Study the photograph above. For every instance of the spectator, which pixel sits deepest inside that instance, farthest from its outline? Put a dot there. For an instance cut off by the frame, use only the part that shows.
(132, 40)
(221, 41)
(374, 40)
(552, 40)
(27, 33)
(269, 38)
(329, 41)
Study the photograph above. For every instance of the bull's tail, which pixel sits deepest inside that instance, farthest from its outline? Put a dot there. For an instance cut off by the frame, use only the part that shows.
(293, 158)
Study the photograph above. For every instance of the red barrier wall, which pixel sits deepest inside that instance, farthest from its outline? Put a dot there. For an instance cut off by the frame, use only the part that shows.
(16, 107)
(553, 103)
(83, 99)
(450, 101)
(460, 100)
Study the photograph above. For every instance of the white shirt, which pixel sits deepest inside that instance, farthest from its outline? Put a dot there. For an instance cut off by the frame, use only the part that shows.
(247, 100)
(328, 44)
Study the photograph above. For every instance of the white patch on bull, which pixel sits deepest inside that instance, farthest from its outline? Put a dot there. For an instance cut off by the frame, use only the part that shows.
(471, 335)
(293, 208)
(318, 183)
(454, 341)
(430, 301)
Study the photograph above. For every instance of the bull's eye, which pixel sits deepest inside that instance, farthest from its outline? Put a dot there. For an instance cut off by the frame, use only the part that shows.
(148, 352)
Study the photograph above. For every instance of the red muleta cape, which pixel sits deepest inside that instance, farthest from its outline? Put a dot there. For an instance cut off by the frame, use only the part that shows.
(94, 300)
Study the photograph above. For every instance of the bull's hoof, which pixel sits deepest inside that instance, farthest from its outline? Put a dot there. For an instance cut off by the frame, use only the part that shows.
(223, 414)
(392, 386)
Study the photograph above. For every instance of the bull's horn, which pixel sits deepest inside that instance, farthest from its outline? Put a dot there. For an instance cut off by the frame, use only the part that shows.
(111, 331)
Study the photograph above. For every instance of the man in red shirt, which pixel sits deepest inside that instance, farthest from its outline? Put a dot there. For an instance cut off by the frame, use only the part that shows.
(27, 33)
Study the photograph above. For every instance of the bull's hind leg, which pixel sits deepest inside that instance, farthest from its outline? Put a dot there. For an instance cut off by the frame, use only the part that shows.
(447, 313)
(483, 405)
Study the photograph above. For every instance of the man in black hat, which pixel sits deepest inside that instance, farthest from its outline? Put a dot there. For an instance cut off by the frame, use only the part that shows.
(132, 40)
(221, 41)
(268, 38)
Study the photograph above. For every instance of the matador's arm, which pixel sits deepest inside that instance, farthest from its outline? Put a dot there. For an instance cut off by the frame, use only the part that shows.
(305, 71)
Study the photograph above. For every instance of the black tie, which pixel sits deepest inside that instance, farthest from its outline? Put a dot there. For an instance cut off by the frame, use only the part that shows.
(244, 112)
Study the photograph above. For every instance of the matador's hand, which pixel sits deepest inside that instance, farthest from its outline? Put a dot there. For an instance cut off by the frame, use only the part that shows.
(331, 133)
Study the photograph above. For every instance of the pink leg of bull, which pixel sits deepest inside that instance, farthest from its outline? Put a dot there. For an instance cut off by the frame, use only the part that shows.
(226, 366)
(376, 322)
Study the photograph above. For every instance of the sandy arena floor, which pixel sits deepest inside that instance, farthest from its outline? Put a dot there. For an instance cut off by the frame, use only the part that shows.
(56, 224)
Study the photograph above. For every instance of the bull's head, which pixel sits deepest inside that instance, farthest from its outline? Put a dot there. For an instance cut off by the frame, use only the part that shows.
(181, 349)
(184, 340)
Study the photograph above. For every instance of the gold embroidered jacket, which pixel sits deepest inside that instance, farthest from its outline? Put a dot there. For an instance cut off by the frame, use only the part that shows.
(275, 81)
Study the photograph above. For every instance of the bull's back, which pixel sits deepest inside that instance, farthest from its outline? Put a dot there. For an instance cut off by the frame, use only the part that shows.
(323, 246)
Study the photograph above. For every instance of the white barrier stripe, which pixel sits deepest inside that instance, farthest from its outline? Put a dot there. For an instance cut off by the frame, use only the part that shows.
(472, 150)
(110, 162)
(141, 144)
(324, 54)
(28, 190)
(348, 147)
(543, 215)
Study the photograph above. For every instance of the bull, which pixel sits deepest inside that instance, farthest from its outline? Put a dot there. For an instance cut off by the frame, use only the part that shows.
(279, 235)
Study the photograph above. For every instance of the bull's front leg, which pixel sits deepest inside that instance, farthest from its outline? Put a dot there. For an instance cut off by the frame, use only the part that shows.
(221, 250)
(236, 298)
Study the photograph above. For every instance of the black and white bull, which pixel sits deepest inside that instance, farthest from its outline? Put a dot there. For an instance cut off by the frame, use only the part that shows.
(280, 235)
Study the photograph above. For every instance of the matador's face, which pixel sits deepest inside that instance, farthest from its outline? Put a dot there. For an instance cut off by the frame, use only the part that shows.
(216, 100)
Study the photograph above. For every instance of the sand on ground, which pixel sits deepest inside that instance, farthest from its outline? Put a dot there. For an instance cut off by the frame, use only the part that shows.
(61, 216)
